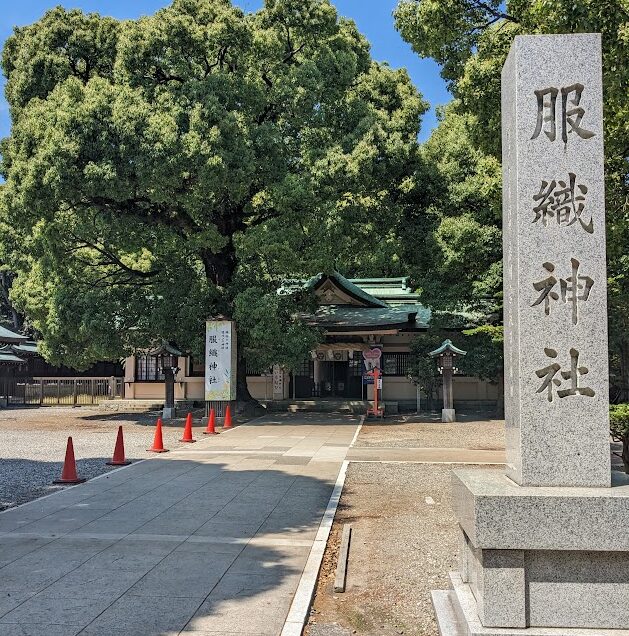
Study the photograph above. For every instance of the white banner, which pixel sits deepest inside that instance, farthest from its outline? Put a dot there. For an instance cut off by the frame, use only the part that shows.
(220, 360)
(278, 382)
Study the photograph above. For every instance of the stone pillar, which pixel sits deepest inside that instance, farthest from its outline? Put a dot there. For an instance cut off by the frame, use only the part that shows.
(555, 294)
(545, 547)
(448, 414)
(281, 383)
(169, 412)
(317, 376)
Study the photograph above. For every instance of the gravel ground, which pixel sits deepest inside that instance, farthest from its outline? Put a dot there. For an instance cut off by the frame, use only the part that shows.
(424, 432)
(33, 443)
(402, 548)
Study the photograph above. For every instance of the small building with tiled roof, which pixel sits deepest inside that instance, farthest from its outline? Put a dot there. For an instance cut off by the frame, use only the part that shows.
(354, 316)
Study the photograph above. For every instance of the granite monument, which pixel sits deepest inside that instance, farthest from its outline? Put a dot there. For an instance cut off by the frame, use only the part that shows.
(545, 544)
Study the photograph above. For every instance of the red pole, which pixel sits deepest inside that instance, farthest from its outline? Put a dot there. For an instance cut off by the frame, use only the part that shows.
(376, 374)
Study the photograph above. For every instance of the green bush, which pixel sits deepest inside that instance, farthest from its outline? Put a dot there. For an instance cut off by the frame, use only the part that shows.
(619, 426)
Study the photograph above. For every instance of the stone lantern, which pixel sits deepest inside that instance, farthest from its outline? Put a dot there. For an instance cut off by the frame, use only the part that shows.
(167, 360)
(446, 356)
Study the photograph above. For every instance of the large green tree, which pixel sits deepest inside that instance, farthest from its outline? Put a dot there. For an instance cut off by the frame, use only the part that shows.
(160, 169)
(470, 39)
(452, 235)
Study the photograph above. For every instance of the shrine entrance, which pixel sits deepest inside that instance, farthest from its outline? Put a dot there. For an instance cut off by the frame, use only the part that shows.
(333, 379)
(339, 379)
(328, 379)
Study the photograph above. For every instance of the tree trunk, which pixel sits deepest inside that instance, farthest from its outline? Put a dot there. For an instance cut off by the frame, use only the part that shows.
(5, 285)
(430, 397)
(246, 404)
(219, 270)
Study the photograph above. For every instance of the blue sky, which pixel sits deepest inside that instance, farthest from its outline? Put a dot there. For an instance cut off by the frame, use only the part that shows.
(373, 18)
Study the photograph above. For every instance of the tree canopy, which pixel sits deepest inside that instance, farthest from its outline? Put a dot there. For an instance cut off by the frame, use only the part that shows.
(470, 39)
(152, 161)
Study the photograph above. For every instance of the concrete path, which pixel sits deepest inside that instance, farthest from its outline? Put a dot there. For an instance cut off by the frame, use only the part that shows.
(207, 540)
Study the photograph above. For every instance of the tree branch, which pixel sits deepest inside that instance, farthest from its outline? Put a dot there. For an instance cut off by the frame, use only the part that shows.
(163, 78)
(148, 211)
(110, 258)
(479, 4)
(292, 53)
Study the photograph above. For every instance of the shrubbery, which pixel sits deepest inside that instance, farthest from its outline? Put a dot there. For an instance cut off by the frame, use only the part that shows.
(619, 426)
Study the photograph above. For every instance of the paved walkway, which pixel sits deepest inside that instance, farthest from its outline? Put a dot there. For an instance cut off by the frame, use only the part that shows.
(207, 540)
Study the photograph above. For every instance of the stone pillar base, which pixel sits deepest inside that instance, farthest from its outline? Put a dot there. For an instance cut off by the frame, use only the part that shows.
(169, 413)
(448, 415)
(457, 615)
(540, 560)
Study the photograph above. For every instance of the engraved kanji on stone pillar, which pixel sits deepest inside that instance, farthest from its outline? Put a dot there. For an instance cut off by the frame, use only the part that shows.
(556, 376)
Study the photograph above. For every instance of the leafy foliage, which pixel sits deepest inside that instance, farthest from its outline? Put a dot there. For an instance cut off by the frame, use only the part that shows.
(175, 167)
(619, 424)
(484, 346)
(423, 368)
(470, 39)
(452, 233)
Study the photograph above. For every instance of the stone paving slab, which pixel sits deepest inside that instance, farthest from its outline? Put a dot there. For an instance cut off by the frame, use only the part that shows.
(207, 540)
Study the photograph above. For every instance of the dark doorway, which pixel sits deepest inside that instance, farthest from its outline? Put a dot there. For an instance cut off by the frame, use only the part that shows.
(334, 378)
(302, 380)
(340, 379)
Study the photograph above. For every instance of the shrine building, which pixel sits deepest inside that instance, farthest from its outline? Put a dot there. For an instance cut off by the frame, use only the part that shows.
(355, 315)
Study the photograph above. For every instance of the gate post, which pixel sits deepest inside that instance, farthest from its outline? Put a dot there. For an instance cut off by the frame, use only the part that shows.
(74, 393)
(41, 393)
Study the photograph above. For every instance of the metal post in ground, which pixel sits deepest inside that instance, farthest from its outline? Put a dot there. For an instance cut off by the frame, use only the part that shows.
(419, 398)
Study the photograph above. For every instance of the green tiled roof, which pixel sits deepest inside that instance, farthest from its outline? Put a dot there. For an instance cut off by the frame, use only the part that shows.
(165, 349)
(8, 336)
(445, 346)
(348, 286)
(387, 288)
(348, 318)
(29, 348)
(7, 357)
(386, 303)
(376, 292)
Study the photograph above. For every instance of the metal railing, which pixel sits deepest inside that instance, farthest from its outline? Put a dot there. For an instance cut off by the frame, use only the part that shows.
(41, 391)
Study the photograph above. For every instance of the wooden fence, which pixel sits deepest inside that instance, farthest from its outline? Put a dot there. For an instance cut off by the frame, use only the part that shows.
(41, 391)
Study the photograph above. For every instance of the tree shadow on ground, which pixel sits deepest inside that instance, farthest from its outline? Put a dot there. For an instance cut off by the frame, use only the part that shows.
(161, 546)
(148, 418)
(432, 418)
(26, 480)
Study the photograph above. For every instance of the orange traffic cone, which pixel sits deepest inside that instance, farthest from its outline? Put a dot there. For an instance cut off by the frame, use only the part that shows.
(211, 424)
(187, 431)
(68, 473)
(227, 422)
(119, 459)
(158, 441)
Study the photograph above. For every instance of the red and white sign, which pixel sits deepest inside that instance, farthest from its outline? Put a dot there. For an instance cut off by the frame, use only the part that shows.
(372, 358)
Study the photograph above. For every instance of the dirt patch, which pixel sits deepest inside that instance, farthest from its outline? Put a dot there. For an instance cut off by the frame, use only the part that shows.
(411, 431)
(402, 547)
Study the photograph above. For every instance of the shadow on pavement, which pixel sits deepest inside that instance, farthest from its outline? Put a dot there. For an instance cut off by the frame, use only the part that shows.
(161, 546)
